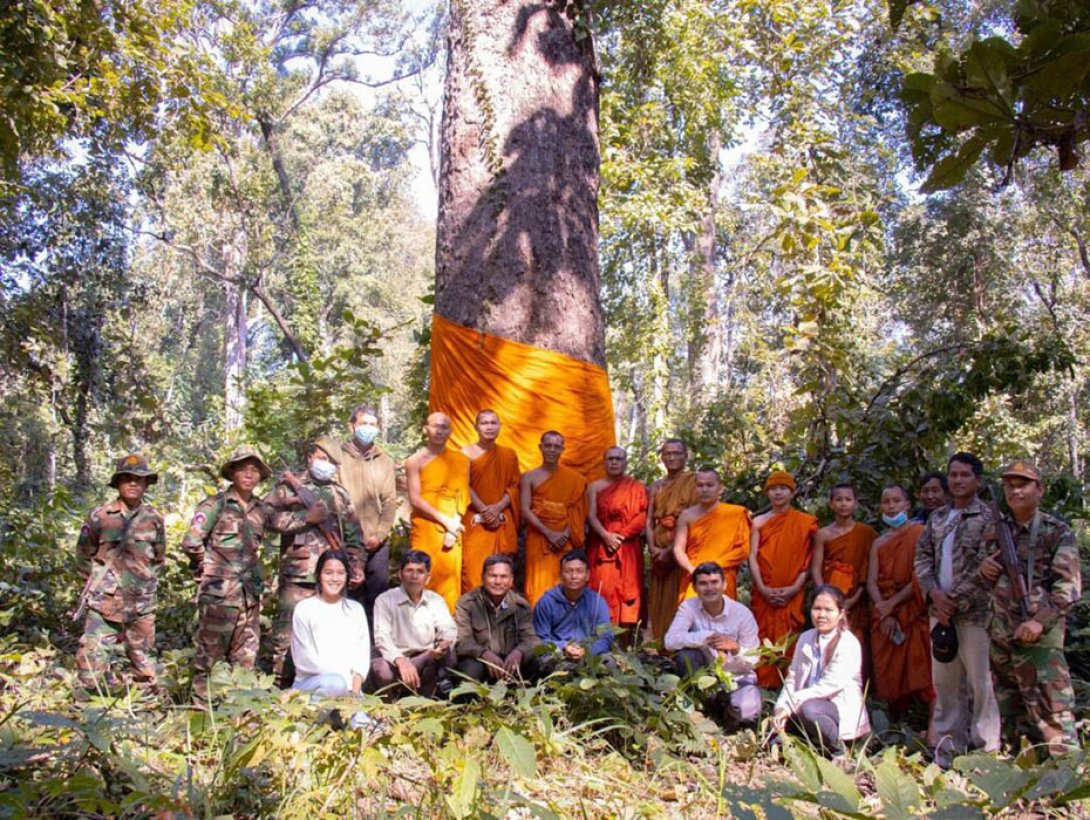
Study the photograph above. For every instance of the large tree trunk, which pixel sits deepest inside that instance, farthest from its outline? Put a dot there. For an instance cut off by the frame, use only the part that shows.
(517, 244)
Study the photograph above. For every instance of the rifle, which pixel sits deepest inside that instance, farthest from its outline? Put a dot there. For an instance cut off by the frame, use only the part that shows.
(1008, 557)
(308, 498)
(93, 578)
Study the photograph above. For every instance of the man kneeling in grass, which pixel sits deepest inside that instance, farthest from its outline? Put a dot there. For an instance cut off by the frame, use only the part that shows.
(574, 620)
(713, 627)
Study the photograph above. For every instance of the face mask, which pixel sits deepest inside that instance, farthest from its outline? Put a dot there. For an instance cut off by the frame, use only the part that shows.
(898, 520)
(323, 470)
(366, 434)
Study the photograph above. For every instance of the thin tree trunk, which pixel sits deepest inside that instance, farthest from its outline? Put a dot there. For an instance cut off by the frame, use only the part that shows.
(234, 256)
(706, 340)
(517, 234)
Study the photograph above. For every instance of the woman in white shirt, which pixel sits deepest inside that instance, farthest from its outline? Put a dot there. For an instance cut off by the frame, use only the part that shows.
(329, 641)
(822, 696)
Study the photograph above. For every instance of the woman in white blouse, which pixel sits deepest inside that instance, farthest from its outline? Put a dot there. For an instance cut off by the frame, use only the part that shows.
(329, 642)
(822, 696)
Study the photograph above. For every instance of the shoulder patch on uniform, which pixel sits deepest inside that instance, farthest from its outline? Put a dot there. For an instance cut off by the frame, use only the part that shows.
(199, 519)
(85, 529)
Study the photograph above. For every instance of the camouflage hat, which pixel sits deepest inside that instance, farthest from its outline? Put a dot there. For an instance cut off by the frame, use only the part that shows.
(133, 464)
(244, 452)
(330, 448)
(1021, 469)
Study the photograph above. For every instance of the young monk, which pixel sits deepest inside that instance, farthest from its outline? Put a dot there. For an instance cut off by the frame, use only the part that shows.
(553, 501)
(779, 560)
(899, 631)
(617, 515)
(491, 522)
(841, 553)
(712, 531)
(438, 480)
(669, 497)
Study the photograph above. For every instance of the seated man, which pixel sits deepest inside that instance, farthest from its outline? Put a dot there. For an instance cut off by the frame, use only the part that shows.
(414, 633)
(571, 617)
(496, 638)
(712, 625)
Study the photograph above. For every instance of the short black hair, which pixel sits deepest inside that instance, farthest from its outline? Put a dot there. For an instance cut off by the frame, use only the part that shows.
(832, 591)
(708, 568)
(902, 488)
(497, 558)
(416, 557)
(935, 475)
(843, 485)
(574, 555)
(362, 410)
(969, 460)
(710, 468)
(684, 446)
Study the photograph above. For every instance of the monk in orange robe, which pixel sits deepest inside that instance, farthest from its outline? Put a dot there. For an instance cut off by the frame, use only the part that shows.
(779, 560)
(841, 556)
(438, 483)
(491, 522)
(711, 530)
(553, 500)
(899, 628)
(617, 515)
(670, 497)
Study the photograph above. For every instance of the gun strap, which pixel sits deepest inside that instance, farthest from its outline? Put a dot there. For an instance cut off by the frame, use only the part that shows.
(1033, 530)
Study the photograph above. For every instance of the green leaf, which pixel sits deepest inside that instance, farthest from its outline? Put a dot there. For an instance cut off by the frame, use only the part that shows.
(464, 795)
(951, 170)
(517, 751)
(843, 788)
(803, 763)
(1002, 782)
(898, 792)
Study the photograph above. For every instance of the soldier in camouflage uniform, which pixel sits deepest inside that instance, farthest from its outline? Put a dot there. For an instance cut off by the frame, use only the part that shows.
(1032, 682)
(119, 552)
(224, 549)
(303, 540)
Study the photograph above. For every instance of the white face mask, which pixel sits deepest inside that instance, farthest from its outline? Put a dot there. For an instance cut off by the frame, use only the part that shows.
(323, 470)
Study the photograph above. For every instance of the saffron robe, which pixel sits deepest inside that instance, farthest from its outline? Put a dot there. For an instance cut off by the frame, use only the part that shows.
(622, 509)
(444, 483)
(905, 670)
(559, 501)
(845, 567)
(671, 499)
(721, 536)
(492, 475)
(783, 553)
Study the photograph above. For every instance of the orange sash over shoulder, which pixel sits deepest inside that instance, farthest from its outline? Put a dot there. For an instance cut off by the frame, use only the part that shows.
(782, 554)
(618, 577)
(722, 536)
(491, 476)
(845, 567)
(444, 483)
(902, 670)
(559, 501)
(671, 499)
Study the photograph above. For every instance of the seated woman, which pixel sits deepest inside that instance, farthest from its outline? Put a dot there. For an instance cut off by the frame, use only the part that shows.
(329, 642)
(823, 693)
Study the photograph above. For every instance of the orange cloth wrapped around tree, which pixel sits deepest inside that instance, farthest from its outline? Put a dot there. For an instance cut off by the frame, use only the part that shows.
(671, 499)
(845, 567)
(560, 501)
(905, 670)
(618, 577)
(722, 536)
(444, 483)
(491, 476)
(783, 553)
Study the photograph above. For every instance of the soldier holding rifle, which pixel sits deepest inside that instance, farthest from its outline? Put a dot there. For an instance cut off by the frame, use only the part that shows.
(1037, 580)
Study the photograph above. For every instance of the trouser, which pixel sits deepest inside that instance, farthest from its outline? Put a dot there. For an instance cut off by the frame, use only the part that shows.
(818, 720)
(478, 670)
(99, 638)
(743, 702)
(291, 593)
(968, 676)
(384, 674)
(376, 580)
(327, 685)
(224, 633)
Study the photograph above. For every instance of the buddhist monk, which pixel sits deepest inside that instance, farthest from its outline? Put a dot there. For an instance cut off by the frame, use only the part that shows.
(617, 515)
(669, 497)
(438, 483)
(841, 555)
(712, 531)
(491, 522)
(553, 500)
(779, 560)
(900, 634)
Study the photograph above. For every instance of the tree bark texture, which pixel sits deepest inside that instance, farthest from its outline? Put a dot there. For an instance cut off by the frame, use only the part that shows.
(235, 329)
(517, 243)
(706, 344)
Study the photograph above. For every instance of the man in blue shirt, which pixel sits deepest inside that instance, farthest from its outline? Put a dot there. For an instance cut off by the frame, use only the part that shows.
(571, 617)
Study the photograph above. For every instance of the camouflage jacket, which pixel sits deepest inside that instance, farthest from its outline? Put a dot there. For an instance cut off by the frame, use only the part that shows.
(1056, 584)
(301, 543)
(970, 593)
(224, 548)
(124, 550)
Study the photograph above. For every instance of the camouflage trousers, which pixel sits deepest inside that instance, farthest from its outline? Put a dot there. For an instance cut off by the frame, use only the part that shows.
(98, 641)
(1033, 686)
(291, 593)
(224, 633)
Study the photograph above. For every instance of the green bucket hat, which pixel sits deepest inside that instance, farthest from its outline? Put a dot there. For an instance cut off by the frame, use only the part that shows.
(133, 464)
(242, 453)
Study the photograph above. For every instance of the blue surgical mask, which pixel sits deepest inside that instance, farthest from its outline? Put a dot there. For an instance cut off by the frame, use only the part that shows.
(896, 521)
(366, 434)
(323, 470)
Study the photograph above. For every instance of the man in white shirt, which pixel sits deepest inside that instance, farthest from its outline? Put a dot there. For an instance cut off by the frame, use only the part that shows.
(712, 626)
(414, 632)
